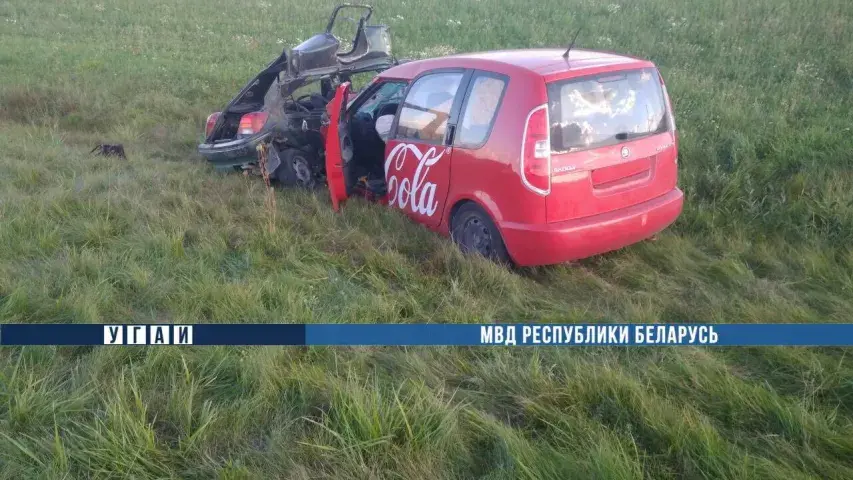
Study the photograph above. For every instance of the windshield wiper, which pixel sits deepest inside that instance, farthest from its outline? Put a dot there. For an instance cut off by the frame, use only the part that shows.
(627, 135)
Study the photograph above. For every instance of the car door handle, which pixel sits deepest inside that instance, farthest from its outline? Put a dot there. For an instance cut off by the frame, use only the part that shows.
(451, 132)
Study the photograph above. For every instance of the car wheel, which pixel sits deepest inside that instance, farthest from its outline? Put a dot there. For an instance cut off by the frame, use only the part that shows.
(295, 169)
(474, 232)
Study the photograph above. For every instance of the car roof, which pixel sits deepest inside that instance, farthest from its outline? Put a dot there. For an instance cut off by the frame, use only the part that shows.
(546, 62)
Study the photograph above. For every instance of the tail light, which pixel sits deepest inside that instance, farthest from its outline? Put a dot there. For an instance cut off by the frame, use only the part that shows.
(252, 123)
(670, 115)
(536, 152)
(669, 111)
(211, 121)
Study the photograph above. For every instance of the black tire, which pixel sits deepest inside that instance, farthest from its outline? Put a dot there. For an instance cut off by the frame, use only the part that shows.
(295, 169)
(476, 233)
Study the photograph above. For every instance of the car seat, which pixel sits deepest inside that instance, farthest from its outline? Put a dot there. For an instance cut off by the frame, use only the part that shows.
(387, 109)
(434, 100)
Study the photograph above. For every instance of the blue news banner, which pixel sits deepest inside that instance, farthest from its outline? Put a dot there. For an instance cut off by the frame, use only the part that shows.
(430, 334)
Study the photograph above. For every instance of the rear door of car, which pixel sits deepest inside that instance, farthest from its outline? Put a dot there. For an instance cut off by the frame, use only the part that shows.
(613, 143)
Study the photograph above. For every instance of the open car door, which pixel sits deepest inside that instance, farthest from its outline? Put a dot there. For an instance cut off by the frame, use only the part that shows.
(339, 149)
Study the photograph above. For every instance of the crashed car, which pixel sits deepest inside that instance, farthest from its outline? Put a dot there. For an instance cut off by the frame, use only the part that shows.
(285, 104)
(531, 157)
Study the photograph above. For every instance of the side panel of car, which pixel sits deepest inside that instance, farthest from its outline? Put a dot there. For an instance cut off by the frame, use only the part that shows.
(419, 152)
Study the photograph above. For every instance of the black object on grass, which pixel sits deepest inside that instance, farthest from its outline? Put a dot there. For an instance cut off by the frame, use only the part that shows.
(108, 150)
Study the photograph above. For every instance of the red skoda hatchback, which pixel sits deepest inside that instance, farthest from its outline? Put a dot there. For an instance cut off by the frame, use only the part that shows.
(524, 155)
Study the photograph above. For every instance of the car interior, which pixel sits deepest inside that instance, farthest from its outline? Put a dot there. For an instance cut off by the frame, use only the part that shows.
(366, 169)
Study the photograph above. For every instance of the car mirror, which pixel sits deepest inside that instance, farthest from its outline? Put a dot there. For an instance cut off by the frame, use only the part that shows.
(383, 126)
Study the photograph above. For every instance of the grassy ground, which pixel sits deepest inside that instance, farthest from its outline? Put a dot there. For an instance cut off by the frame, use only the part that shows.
(762, 98)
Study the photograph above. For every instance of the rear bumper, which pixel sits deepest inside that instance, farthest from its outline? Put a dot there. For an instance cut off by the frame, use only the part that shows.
(233, 153)
(546, 244)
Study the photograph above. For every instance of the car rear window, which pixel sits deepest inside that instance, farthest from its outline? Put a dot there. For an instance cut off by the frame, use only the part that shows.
(606, 109)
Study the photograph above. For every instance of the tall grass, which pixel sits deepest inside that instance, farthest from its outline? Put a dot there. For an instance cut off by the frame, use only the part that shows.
(762, 99)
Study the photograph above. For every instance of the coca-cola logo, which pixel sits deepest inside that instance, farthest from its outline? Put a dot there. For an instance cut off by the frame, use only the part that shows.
(414, 193)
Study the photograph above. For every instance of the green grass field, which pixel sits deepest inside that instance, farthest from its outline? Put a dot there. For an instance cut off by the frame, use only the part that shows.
(762, 93)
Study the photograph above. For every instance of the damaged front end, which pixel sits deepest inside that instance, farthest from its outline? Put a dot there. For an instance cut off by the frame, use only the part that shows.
(285, 104)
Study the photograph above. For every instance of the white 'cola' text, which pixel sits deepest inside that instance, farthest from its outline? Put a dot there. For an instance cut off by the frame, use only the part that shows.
(415, 193)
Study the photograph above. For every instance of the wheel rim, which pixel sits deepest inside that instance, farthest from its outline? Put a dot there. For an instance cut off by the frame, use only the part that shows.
(477, 237)
(302, 171)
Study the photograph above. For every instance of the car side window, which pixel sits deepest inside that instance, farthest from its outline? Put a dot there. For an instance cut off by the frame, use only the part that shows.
(480, 109)
(427, 107)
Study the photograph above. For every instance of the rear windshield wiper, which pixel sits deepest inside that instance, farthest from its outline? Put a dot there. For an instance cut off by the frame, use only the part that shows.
(629, 135)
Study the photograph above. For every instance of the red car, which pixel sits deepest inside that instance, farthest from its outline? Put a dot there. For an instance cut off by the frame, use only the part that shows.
(529, 156)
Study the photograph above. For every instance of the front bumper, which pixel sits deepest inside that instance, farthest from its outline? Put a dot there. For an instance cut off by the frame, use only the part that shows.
(546, 244)
(234, 153)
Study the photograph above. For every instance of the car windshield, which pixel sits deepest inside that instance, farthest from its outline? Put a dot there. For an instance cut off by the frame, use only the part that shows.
(606, 109)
